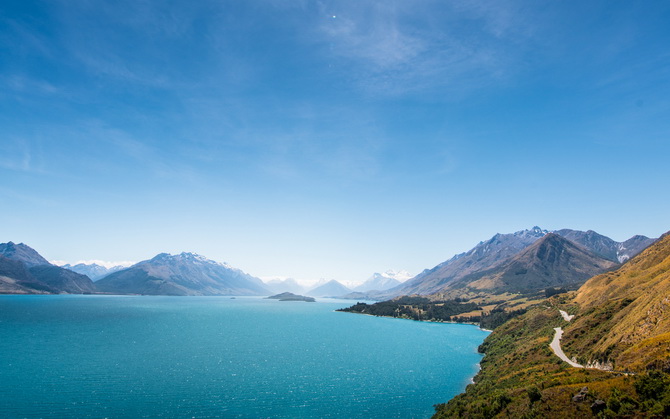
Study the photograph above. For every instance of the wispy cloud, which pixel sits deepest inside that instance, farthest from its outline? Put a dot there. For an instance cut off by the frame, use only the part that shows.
(16, 196)
(24, 84)
(21, 155)
(396, 47)
(144, 155)
(288, 141)
(131, 41)
(379, 41)
(22, 35)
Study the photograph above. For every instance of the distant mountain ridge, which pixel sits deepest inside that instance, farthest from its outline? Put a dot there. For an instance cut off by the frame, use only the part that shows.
(552, 261)
(93, 270)
(383, 281)
(182, 274)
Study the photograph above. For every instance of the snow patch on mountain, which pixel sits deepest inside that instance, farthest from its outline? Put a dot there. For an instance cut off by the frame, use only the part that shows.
(384, 281)
(621, 254)
(192, 258)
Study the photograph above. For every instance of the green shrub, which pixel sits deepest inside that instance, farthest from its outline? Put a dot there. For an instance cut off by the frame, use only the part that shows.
(534, 394)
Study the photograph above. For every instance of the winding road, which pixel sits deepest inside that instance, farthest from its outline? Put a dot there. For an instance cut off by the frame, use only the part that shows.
(566, 316)
(555, 344)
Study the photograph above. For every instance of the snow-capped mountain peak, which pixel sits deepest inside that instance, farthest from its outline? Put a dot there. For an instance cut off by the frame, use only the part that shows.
(383, 281)
(533, 232)
(94, 269)
(189, 257)
(400, 276)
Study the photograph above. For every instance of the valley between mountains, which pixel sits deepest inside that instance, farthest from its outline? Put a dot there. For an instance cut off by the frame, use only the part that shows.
(521, 285)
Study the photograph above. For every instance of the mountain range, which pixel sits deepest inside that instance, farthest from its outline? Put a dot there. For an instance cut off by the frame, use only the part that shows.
(551, 261)
(383, 281)
(182, 274)
(523, 261)
(93, 270)
(491, 264)
(24, 271)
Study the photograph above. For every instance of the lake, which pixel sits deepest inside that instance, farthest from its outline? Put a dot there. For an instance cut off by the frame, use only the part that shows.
(141, 356)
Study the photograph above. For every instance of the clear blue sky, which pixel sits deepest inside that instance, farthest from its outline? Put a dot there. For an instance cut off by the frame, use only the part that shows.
(328, 139)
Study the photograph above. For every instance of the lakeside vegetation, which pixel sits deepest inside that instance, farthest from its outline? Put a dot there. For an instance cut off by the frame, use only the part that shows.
(415, 308)
(488, 315)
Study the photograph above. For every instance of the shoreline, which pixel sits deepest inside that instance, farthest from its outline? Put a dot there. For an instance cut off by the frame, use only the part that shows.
(425, 321)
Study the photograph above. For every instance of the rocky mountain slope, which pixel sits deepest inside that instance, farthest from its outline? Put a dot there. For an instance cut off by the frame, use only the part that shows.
(552, 261)
(24, 271)
(16, 279)
(22, 253)
(486, 255)
(605, 247)
(183, 274)
(63, 280)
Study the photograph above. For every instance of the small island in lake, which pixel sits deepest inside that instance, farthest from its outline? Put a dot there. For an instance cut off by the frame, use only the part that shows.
(289, 296)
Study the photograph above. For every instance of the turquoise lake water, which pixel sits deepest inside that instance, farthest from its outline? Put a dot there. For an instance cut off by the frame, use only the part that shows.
(139, 356)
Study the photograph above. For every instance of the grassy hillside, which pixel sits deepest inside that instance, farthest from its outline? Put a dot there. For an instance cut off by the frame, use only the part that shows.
(626, 313)
(621, 318)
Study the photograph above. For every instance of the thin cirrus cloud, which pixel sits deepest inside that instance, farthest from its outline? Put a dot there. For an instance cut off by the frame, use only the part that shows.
(132, 42)
(20, 154)
(396, 47)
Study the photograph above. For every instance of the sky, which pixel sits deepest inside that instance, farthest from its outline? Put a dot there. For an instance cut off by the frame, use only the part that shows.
(328, 139)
